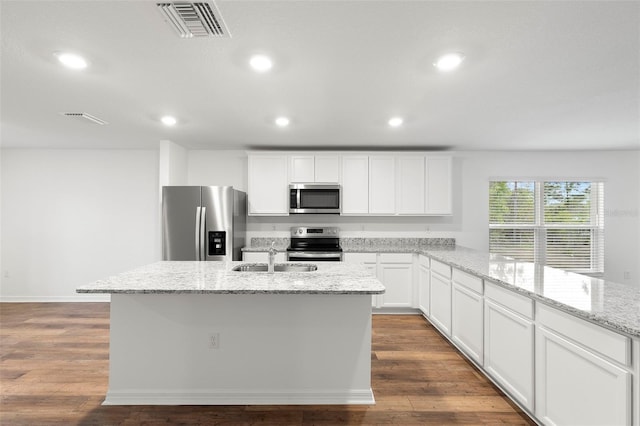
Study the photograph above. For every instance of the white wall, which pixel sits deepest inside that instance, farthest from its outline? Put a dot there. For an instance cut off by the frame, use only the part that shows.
(74, 216)
(221, 168)
(70, 217)
(469, 224)
(173, 164)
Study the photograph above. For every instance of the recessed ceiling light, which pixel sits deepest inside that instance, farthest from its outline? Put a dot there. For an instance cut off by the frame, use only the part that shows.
(282, 121)
(71, 60)
(395, 122)
(449, 62)
(261, 63)
(168, 120)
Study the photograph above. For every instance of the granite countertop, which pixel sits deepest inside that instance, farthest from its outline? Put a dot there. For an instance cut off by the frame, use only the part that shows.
(359, 245)
(606, 303)
(218, 278)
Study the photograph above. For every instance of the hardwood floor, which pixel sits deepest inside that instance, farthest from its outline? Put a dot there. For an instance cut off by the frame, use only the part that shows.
(54, 361)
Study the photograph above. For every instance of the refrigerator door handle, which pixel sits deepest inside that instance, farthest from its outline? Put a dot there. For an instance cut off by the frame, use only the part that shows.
(198, 216)
(203, 235)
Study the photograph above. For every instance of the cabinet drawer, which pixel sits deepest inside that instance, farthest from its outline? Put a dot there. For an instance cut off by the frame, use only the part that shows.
(396, 258)
(509, 299)
(469, 281)
(606, 342)
(424, 261)
(360, 257)
(441, 268)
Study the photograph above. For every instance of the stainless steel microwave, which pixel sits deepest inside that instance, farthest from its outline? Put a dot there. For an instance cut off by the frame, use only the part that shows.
(314, 198)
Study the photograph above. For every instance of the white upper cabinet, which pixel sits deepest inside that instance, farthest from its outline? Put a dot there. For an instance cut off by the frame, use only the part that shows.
(327, 168)
(411, 186)
(267, 185)
(438, 186)
(424, 185)
(382, 185)
(314, 168)
(355, 184)
(386, 184)
(302, 168)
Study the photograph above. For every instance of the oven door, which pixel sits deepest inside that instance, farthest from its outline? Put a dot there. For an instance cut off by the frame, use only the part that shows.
(309, 256)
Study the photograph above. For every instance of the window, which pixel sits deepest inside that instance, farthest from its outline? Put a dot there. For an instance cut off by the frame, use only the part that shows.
(556, 223)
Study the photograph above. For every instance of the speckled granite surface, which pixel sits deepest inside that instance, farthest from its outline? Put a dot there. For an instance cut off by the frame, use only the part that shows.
(610, 304)
(264, 244)
(349, 244)
(217, 277)
(394, 245)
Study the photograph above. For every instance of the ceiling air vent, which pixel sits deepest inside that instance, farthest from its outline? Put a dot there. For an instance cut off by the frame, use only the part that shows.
(84, 116)
(194, 19)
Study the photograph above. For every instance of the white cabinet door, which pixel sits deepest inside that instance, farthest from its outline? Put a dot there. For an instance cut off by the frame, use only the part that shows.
(397, 279)
(355, 184)
(424, 283)
(314, 168)
(508, 351)
(261, 257)
(438, 186)
(382, 185)
(411, 185)
(327, 169)
(267, 185)
(302, 168)
(440, 300)
(466, 321)
(576, 387)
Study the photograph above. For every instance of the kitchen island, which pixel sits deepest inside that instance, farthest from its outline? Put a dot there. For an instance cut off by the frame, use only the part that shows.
(193, 333)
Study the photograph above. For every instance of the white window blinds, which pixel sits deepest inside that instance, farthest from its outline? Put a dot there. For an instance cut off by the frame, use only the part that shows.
(557, 223)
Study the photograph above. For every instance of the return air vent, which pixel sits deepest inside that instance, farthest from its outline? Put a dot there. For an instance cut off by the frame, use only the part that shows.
(194, 19)
(84, 116)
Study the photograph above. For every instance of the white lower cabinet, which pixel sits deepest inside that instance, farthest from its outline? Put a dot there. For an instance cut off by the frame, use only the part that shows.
(395, 270)
(424, 281)
(440, 299)
(575, 383)
(466, 314)
(558, 367)
(509, 343)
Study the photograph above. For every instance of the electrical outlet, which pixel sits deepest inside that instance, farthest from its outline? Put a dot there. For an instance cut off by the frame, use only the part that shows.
(6, 274)
(214, 341)
(627, 275)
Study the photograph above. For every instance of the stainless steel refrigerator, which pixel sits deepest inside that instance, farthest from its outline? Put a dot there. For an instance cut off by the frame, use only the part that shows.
(203, 222)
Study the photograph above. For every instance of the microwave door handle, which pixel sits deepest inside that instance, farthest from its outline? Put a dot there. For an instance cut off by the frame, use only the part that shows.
(203, 235)
(198, 216)
(298, 198)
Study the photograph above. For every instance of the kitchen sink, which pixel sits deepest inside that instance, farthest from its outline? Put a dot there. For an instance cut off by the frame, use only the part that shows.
(278, 267)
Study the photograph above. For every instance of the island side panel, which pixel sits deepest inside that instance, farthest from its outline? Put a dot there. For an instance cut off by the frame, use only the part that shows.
(272, 349)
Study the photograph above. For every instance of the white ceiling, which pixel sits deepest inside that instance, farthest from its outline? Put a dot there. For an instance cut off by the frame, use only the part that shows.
(537, 75)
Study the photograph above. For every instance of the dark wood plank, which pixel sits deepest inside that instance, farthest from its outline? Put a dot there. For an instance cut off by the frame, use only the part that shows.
(54, 364)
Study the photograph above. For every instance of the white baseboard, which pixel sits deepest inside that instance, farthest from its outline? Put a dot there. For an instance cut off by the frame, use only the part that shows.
(58, 299)
(225, 397)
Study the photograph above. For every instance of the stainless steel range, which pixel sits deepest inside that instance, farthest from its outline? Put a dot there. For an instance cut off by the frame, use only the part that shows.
(315, 244)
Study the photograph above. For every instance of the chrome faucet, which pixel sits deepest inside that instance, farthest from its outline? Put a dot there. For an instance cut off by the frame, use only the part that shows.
(272, 257)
